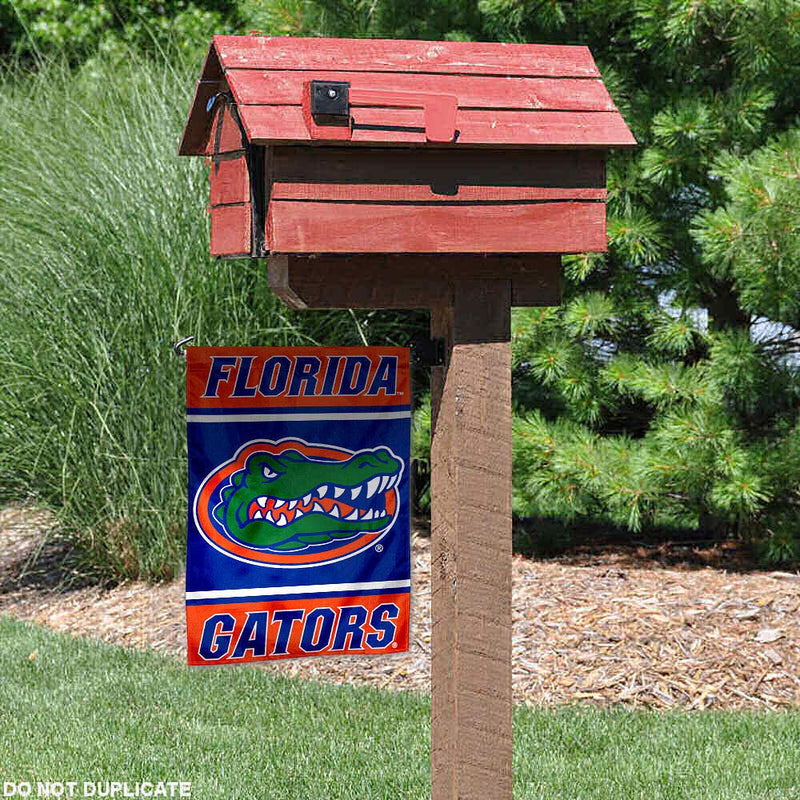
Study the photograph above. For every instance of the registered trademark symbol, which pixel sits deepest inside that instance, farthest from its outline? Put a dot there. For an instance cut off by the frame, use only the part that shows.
(378, 548)
(394, 645)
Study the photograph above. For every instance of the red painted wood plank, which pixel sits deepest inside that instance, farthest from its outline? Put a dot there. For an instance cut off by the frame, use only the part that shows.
(381, 192)
(226, 136)
(438, 110)
(546, 128)
(275, 88)
(231, 230)
(558, 227)
(285, 124)
(230, 181)
(397, 55)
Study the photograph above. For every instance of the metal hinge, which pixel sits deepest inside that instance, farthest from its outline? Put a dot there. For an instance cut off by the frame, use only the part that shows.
(429, 352)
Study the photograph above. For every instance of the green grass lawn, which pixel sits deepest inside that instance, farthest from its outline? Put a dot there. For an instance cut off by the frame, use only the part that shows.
(87, 712)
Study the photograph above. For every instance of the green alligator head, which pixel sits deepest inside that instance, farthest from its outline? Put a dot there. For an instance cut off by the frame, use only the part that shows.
(289, 501)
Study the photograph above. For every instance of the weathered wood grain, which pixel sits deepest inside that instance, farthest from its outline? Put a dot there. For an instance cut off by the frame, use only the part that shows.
(276, 88)
(407, 281)
(230, 181)
(512, 94)
(548, 227)
(198, 125)
(471, 631)
(379, 192)
(502, 128)
(226, 135)
(398, 55)
(231, 230)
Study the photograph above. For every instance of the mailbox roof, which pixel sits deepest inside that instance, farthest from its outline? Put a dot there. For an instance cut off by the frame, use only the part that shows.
(508, 94)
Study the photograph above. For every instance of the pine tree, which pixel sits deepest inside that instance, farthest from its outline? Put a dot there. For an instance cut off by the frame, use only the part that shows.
(665, 390)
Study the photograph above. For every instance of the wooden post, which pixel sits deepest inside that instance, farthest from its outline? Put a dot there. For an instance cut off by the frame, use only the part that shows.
(468, 230)
(471, 546)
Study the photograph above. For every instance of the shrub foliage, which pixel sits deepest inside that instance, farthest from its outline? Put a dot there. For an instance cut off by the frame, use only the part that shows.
(663, 392)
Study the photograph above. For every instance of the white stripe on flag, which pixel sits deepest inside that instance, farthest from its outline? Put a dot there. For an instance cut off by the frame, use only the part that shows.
(295, 417)
(285, 591)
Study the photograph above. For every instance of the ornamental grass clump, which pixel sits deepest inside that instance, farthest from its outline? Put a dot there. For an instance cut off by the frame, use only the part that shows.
(104, 265)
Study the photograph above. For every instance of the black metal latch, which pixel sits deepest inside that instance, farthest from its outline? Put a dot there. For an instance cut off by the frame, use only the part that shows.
(330, 102)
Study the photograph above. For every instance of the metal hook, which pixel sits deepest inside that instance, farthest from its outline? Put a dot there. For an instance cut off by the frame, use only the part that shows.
(176, 348)
(212, 100)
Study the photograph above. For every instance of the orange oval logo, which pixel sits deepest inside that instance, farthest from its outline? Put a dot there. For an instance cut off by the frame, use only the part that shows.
(290, 503)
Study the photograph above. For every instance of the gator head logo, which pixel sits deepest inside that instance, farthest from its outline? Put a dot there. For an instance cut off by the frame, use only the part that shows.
(294, 504)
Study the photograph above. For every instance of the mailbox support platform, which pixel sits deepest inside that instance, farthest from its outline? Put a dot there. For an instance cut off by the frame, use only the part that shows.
(441, 175)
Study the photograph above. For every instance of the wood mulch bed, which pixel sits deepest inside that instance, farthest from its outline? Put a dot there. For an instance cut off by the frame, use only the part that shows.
(610, 628)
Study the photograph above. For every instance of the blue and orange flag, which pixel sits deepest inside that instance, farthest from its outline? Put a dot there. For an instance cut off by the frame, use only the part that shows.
(298, 535)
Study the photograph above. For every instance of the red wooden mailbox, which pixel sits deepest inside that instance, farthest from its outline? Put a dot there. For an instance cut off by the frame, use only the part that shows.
(370, 146)
(447, 175)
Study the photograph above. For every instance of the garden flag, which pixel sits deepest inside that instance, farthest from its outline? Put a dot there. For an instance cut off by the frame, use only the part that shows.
(298, 536)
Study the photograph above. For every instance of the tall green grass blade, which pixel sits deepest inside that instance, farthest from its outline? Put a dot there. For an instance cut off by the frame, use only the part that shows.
(104, 263)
